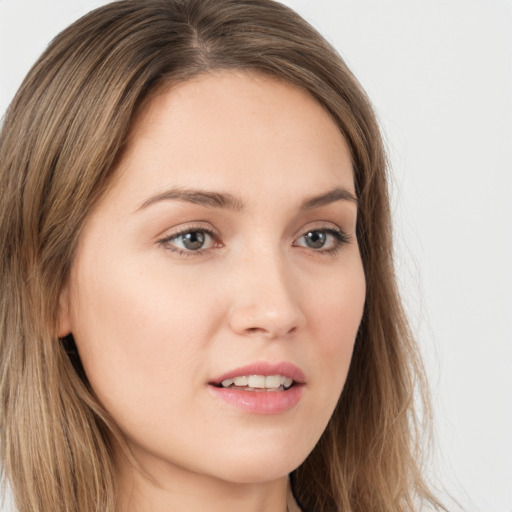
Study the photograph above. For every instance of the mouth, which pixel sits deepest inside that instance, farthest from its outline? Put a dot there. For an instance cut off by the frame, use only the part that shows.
(261, 387)
(257, 383)
(261, 376)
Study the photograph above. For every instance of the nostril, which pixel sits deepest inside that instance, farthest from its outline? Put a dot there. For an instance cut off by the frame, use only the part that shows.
(254, 330)
(260, 330)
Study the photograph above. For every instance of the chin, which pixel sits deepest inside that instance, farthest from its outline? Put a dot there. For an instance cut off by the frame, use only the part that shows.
(272, 464)
(257, 475)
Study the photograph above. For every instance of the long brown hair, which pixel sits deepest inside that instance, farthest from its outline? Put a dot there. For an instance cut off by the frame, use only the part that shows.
(60, 140)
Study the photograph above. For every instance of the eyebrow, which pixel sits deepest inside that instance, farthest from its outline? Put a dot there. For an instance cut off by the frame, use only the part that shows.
(336, 194)
(231, 202)
(201, 197)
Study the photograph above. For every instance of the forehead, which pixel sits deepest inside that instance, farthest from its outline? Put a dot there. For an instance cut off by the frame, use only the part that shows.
(220, 127)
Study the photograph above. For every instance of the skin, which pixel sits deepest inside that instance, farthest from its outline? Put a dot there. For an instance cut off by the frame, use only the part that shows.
(155, 322)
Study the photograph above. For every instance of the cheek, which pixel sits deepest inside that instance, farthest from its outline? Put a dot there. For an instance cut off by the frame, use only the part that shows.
(335, 316)
(140, 340)
(337, 307)
(133, 327)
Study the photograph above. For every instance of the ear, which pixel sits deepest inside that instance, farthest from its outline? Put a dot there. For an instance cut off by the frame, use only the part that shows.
(64, 319)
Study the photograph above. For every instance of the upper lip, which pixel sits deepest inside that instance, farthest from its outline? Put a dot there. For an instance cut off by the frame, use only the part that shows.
(285, 369)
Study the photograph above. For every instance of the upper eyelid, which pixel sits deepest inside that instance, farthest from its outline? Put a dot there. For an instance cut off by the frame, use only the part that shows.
(175, 232)
(322, 225)
(182, 233)
(193, 230)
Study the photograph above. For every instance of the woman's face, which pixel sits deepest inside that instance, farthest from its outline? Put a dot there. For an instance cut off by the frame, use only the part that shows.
(218, 287)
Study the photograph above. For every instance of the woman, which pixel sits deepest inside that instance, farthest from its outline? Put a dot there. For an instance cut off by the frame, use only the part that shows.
(198, 291)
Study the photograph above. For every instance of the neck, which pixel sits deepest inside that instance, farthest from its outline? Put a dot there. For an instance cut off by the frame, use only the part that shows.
(167, 488)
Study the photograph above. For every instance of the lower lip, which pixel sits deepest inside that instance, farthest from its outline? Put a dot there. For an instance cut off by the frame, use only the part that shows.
(260, 402)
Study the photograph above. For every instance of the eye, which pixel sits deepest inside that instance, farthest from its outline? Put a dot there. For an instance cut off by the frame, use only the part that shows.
(322, 240)
(315, 239)
(190, 240)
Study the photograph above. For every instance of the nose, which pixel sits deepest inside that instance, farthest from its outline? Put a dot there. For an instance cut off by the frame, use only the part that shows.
(266, 300)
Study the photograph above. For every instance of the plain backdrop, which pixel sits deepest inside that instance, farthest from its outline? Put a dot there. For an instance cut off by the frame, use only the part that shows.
(440, 76)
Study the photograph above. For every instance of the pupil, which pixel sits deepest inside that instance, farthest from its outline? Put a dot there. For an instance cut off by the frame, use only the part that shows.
(194, 240)
(315, 239)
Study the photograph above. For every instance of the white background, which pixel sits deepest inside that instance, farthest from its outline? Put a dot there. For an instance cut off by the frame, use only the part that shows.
(440, 76)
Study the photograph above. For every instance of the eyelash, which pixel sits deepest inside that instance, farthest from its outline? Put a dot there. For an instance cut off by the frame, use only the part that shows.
(340, 238)
(166, 242)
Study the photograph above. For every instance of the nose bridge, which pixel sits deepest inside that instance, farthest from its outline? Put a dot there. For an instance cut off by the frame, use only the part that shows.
(265, 301)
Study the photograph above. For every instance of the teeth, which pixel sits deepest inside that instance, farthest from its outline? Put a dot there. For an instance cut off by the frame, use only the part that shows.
(241, 381)
(272, 381)
(252, 382)
(256, 381)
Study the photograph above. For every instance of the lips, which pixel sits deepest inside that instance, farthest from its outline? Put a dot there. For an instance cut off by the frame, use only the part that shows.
(261, 387)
